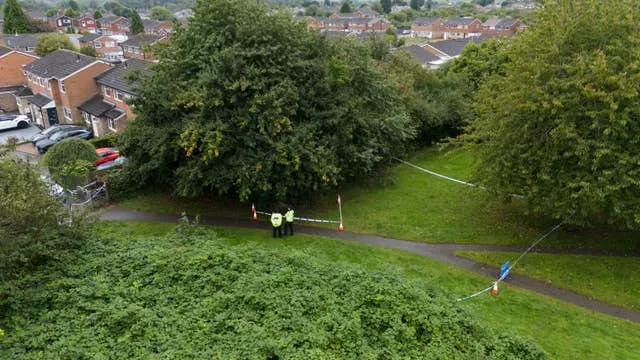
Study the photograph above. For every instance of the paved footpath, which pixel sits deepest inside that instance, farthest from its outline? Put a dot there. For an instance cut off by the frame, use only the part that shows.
(440, 252)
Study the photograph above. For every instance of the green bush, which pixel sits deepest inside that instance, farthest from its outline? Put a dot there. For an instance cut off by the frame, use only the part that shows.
(67, 161)
(32, 228)
(188, 295)
(104, 141)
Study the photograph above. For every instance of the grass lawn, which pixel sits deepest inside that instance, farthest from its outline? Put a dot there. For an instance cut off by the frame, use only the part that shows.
(413, 205)
(606, 278)
(563, 330)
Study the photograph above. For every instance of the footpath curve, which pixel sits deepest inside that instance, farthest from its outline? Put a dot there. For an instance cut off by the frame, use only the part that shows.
(440, 252)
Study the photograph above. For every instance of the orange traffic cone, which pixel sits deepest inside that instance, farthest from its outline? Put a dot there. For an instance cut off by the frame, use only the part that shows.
(494, 291)
(255, 216)
(253, 208)
(340, 227)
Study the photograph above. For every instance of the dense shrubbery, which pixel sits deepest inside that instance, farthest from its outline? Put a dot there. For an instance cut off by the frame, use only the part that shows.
(104, 141)
(31, 221)
(70, 162)
(187, 295)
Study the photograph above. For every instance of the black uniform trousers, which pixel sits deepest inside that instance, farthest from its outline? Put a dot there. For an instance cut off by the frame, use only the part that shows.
(278, 229)
(288, 226)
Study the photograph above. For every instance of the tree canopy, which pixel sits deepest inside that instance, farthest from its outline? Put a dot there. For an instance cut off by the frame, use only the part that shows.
(15, 20)
(256, 104)
(89, 51)
(137, 26)
(160, 13)
(49, 43)
(560, 125)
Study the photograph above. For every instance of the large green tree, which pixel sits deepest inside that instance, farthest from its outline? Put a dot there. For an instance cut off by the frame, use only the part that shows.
(160, 13)
(137, 26)
(561, 126)
(248, 101)
(386, 6)
(49, 43)
(15, 20)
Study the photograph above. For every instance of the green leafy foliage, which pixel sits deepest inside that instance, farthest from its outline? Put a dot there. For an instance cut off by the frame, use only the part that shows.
(89, 51)
(254, 104)
(161, 13)
(188, 295)
(31, 229)
(49, 43)
(15, 20)
(561, 125)
(137, 26)
(68, 159)
(109, 140)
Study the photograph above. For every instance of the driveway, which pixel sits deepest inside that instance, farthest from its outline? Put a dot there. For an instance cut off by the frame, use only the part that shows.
(21, 134)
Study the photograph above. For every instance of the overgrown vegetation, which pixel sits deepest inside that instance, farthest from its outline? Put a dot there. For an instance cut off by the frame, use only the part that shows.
(189, 295)
(560, 125)
(34, 228)
(70, 162)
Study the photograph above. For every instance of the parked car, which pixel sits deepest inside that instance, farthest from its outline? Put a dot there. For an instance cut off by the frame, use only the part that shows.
(52, 130)
(106, 154)
(108, 165)
(44, 144)
(12, 121)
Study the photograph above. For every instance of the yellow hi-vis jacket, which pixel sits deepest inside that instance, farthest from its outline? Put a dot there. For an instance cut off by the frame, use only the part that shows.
(289, 215)
(276, 219)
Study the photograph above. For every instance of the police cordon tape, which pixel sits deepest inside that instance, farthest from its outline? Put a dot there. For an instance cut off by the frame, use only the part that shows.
(503, 275)
(255, 213)
(447, 177)
(302, 218)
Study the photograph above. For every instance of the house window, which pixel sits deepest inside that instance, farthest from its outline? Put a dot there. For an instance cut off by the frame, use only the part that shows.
(49, 85)
(62, 86)
(29, 49)
(30, 77)
(107, 91)
(128, 96)
(40, 81)
(67, 113)
(111, 123)
(119, 96)
(98, 45)
(86, 117)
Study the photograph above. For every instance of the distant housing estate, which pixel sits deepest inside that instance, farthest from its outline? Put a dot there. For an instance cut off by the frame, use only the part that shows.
(461, 28)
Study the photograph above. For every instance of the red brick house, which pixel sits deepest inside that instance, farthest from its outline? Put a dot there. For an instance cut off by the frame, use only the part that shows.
(86, 23)
(137, 46)
(430, 28)
(460, 28)
(60, 82)
(12, 79)
(497, 26)
(109, 111)
(114, 25)
(63, 22)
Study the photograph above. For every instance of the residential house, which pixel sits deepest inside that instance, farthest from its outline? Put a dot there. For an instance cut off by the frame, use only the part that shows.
(87, 23)
(137, 46)
(114, 25)
(183, 14)
(460, 28)
(11, 62)
(425, 58)
(447, 50)
(108, 49)
(162, 28)
(60, 82)
(20, 42)
(12, 79)
(63, 23)
(350, 24)
(87, 39)
(109, 111)
(497, 26)
(364, 13)
(430, 28)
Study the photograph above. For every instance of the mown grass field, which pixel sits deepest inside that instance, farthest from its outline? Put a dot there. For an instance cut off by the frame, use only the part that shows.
(563, 330)
(611, 279)
(413, 205)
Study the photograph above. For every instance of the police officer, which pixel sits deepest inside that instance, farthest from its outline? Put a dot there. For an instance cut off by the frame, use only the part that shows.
(288, 217)
(276, 222)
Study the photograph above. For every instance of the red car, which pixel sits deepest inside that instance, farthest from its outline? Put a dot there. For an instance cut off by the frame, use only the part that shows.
(105, 155)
